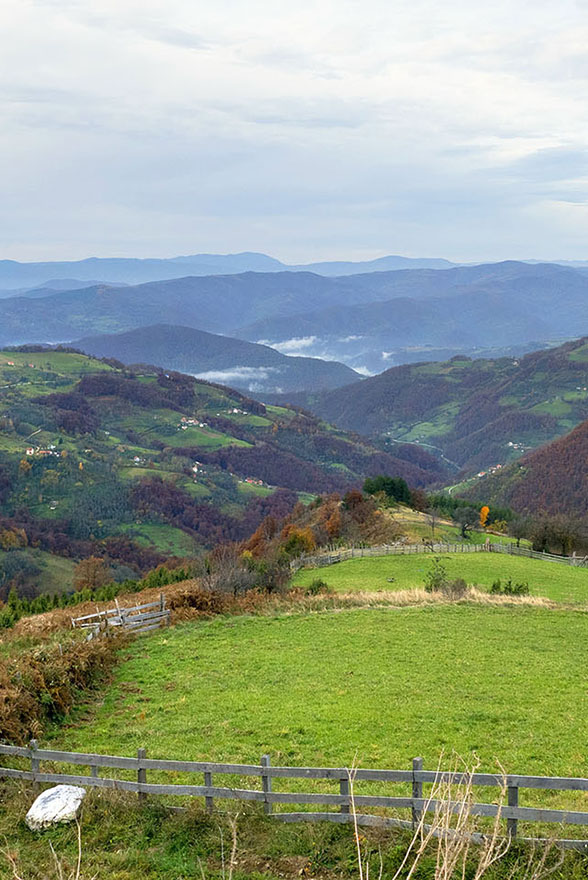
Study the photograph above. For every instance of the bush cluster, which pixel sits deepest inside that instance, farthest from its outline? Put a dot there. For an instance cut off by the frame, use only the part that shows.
(41, 685)
(509, 589)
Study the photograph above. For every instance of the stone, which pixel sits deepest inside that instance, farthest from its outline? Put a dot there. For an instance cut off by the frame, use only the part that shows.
(55, 806)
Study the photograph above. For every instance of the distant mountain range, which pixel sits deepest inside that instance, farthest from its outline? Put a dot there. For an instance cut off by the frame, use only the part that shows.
(244, 365)
(476, 413)
(137, 271)
(422, 314)
(54, 285)
(369, 321)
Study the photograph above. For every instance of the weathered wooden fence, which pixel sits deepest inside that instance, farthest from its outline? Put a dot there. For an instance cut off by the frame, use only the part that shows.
(137, 618)
(330, 558)
(351, 806)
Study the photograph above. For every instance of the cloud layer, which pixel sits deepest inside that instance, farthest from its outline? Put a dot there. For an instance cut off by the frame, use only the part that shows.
(324, 129)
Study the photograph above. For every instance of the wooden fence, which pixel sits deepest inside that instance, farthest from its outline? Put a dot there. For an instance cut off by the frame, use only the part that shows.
(331, 558)
(138, 618)
(351, 806)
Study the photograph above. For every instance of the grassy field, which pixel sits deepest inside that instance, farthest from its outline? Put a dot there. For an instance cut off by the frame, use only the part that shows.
(377, 685)
(163, 537)
(556, 581)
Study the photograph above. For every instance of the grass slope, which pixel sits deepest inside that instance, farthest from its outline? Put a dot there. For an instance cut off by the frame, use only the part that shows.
(379, 686)
(556, 581)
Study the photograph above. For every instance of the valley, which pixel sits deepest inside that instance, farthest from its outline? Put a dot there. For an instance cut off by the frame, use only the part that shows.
(477, 413)
(140, 466)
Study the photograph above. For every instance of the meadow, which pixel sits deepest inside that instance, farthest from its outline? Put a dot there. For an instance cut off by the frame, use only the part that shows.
(562, 583)
(378, 686)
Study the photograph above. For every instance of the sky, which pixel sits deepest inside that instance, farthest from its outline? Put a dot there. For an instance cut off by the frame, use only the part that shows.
(311, 130)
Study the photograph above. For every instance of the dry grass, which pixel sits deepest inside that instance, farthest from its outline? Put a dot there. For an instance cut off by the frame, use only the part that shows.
(453, 838)
(188, 601)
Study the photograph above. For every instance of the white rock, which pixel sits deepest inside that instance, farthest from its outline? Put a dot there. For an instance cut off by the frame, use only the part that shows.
(56, 805)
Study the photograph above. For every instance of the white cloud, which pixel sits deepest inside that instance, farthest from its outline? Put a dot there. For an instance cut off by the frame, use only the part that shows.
(321, 129)
(297, 346)
(240, 375)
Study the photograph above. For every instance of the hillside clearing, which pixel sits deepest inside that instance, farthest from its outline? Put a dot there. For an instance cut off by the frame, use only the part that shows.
(562, 583)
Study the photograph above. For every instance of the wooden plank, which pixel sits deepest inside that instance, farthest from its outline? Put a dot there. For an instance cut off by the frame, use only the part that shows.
(146, 615)
(35, 762)
(266, 782)
(87, 759)
(344, 792)
(143, 629)
(155, 620)
(209, 802)
(552, 783)
(131, 626)
(16, 751)
(202, 767)
(338, 772)
(116, 612)
(513, 801)
(9, 773)
(417, 791)
(141, 773)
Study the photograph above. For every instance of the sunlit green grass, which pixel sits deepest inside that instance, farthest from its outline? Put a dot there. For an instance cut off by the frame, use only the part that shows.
(376, 686)
(562, 583)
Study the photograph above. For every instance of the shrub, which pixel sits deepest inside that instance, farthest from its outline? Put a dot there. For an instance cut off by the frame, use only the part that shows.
(509, 589)
(455, 589)
(436, 578)
(316, 586)
(42, 685)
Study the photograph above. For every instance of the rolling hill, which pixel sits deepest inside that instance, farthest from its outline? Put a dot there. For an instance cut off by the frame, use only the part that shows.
(553, 479)
(244, 365)
(139, 465)
(477, 413)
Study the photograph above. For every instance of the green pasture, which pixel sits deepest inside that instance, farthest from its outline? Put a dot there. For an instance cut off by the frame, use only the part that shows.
(162, 537)
(51, 361)
(556, 581)
(368, 685)
(250, 489)
(203, 437)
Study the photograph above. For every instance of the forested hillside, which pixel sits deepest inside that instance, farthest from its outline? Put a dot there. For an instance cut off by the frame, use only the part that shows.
(553, 479)
(478, 413)
(137, 466)
(235, 362)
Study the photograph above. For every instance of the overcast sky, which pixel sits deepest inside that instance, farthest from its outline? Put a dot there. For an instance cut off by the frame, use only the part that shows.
(310, 130)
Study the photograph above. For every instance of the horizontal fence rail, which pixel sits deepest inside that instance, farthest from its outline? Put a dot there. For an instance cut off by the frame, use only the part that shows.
(400, 549)
(349, 804)
(137, 618)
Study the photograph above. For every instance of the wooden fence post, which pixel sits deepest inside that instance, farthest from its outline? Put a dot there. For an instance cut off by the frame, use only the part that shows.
(35, 763)
(266, 782)
(209, 801)
(417, 792)
(141, 773)
(344, 790)
(513, 801)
